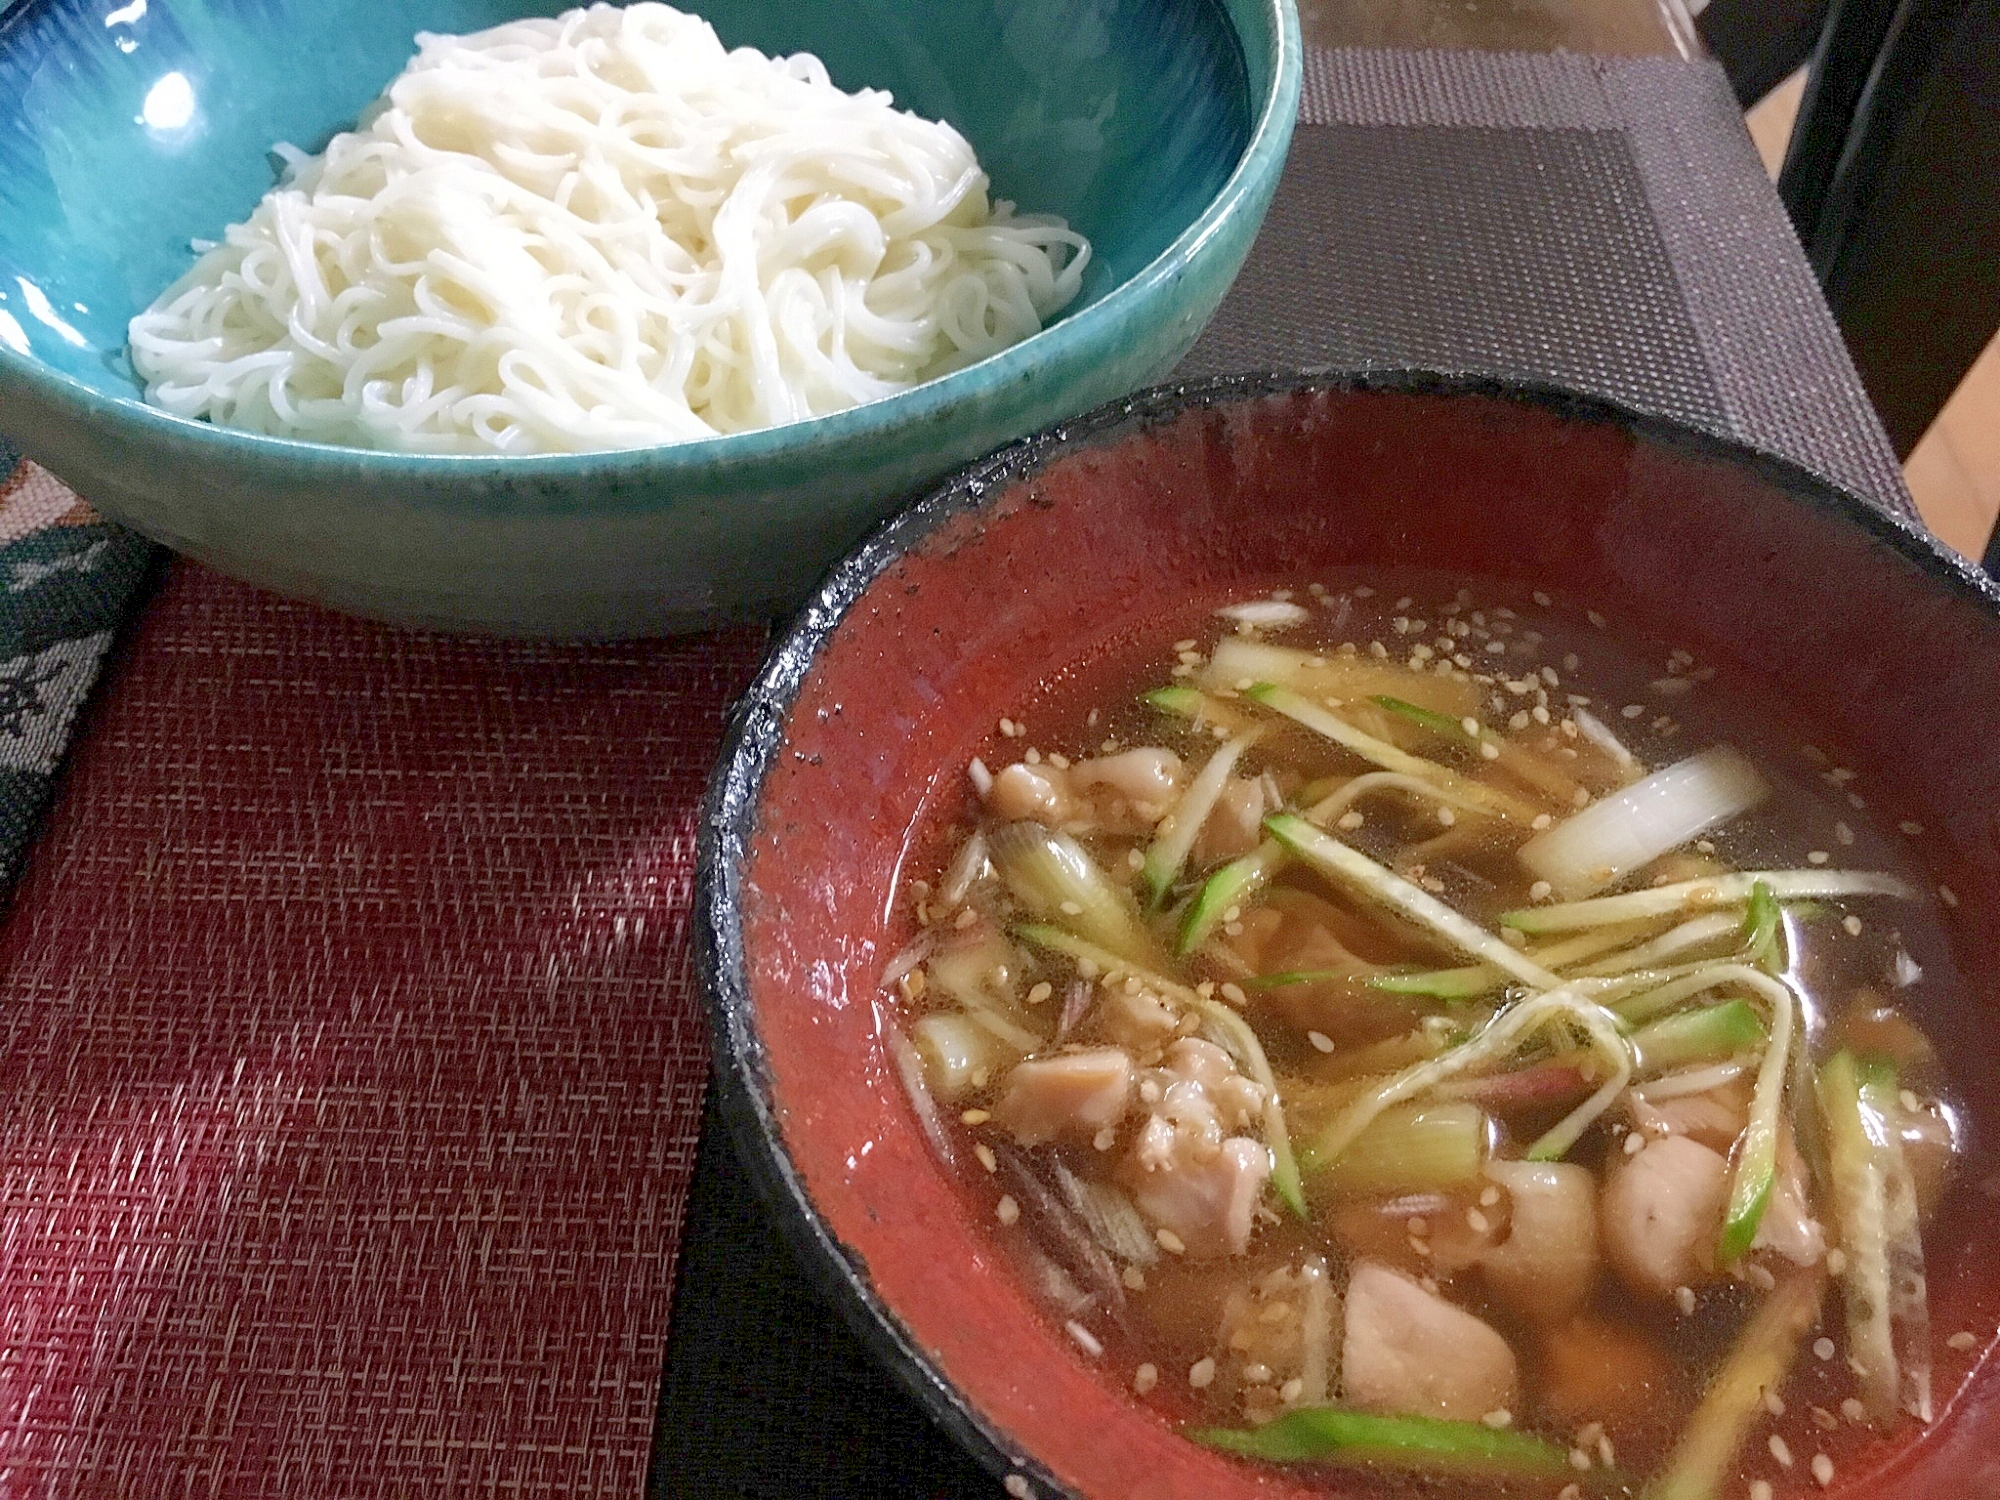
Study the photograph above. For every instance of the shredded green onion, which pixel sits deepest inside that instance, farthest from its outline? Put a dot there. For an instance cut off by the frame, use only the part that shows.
(1709, 891)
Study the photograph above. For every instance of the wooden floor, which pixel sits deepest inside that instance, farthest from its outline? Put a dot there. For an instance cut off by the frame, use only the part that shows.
(1955, 471)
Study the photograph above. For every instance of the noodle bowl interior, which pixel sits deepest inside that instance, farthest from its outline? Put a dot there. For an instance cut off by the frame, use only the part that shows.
(1436, 1037)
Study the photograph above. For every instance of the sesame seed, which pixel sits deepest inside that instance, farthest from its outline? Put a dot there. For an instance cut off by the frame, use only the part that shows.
(1134, 1278)
(1446, 817)
(1947, 895)
(1170, 1242)
(1145, 1378)
(1135, 860)
(1488, 750)
(1258, 1373)
(1291, 1390)
(1579, 1460)
(1032, 756)
(1349, 820)
(1823, 1348)
(1489, 1197)
(1632, 710)
(1476, 1221)
(1582, 797)
(1007, 1211)
(1606, 1454)
(1781, 1451)
(1774, 1403)
(1192, 658)
(1760, 1489)
(975, 1117)
(986, 1157)
(1911, 827)
(1540, 891)
(1684, 1296)
(1320, 1040)
(1822, 1468)
(1843, 833)
(1202, 1373)
(1233, 993)
(1852, 1409)
(1518, 720)
(1962, 1341)
(1851, 926)
(1541, 821)
(1908, 1099)
(1376, 648)
(1761, 1278)
(1541, 598)
(1499, 1417)
(1817, 857)
(1836, 1262)
(1085, 1339)
(1823, 1419)
(965, 919)
(1018, 1487)
(1634, 1144)
(1039, 992)
(1594, 617)
(1105, 1139)
(1570, 1492)
(1070, 909)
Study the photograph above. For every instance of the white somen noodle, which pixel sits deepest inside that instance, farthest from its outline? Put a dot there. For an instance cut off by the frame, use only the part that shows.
(602, 231)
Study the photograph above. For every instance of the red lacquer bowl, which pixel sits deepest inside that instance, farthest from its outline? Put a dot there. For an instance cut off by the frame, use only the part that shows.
(857, 731)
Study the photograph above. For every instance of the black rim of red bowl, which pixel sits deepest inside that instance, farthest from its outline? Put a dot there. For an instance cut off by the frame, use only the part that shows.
(755, 737)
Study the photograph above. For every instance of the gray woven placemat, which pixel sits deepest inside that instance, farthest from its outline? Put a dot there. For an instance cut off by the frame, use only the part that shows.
(1602, 224)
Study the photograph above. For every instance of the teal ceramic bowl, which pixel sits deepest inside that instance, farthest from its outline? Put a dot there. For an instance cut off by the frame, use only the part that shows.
(129, 128)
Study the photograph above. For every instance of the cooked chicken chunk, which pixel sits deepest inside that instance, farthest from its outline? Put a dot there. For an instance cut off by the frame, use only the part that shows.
(1546, 1267)
(1661, 1215)
(1123, 793)
(1408, 1352)
(1714, 1118)
(1137, 1020)
(1185, 1172)
(1072, 1093)
(1235, 825)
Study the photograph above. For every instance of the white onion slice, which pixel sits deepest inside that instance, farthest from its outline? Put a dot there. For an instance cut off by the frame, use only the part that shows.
(1592, 849)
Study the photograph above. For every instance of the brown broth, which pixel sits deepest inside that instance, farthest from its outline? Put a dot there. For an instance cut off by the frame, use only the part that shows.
(1663, 705)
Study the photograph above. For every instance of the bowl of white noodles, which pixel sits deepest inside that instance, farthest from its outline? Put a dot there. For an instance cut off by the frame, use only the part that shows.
(606, 321)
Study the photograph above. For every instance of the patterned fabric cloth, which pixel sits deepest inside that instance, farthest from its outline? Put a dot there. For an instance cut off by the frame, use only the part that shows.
(66, 580)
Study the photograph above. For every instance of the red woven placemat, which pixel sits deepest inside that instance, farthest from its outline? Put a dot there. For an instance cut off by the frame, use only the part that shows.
(350, 1069)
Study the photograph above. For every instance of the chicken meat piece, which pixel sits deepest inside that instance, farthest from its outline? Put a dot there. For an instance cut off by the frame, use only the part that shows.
(1124, 793)
(1235, 825)
(1660, 1215)
(1186, 1173)
(1408, 1352)
(1072, 1093)
(1137, 1020)
(1715, 1117)
(1546, 1267)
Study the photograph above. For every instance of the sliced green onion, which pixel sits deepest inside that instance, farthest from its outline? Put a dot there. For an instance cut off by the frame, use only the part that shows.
(1705, 1456)
(1291, 977)
(1236, 882)
(1350, 867)
(1442, 984)
(1589, 943)
(1711, 1034)
(1178, 829)
(1197, 707)
(1708, 892)
(1414, 1148)
(1874, 1202)
(1492, 1043)
(1305, 712)
(1055, 878)
(1754, 1169)
(1764, 929)
(1610, 838)
(1237, 660)
(1424, 1445)
(1696, 932)
(1439, 724)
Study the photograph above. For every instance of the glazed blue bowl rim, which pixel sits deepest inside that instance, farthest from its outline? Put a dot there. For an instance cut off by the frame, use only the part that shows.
(1068, 337)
